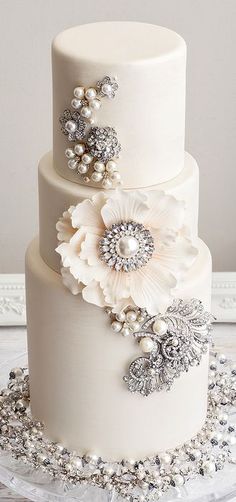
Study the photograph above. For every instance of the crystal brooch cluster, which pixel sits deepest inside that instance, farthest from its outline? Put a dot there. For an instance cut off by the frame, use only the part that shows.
(147, 479)
(96, 148)
(171, 343)
(126, 246)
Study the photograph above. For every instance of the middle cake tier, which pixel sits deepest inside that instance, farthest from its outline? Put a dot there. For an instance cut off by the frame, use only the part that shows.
(57, 194)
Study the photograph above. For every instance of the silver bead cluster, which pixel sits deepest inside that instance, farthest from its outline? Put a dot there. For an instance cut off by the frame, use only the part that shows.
(103, 144)
(126, 246)
(171, 343)
(93, 158)
(147, 479)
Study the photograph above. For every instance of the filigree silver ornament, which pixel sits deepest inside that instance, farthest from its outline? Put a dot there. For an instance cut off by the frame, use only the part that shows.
(172, 344)
(107, 87)
(103, 144)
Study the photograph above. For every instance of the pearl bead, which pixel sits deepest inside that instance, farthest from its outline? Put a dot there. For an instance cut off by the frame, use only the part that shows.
(111, 166)
(121, 316)
(146, 344)
(95, 104)
(72, 164)
(127, 246)
(90, 93)
(106, 89)
(87, 159)
(160, 327)
(115, 176)
(86, 112)
(99, 167)
(70, 126)
(79, 149)
(178, 480)
(69, 153)
(76, 103)
(107, 183)
(134, 325)
(116, 326)
(96, 177)
(79, 92)
(131, 315)
(125, 331)
(82, 168)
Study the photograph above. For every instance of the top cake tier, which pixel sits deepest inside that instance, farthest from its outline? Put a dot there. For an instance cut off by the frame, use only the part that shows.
(148, 111)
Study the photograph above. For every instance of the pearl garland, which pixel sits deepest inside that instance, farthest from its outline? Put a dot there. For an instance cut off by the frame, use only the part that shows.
(145, 479)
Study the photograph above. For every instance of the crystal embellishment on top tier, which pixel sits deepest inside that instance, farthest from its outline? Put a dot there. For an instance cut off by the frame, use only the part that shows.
(94, 157)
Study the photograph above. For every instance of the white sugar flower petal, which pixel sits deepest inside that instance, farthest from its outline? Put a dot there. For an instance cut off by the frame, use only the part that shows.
(116, 285)
(64, 226)
(70, 282)
(90, 249)
(88, 213)
(164, 211)
(70, 258)
(146, 277)
(124, 206)
(151, 287)
(93, 294)
(176, 257)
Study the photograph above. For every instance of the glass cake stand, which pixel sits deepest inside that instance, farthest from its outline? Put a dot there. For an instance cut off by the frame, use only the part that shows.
(39, 487)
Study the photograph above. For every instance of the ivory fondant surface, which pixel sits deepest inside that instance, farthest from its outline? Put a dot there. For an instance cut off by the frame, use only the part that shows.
(76, 366)
(148, 112)
(56, 194)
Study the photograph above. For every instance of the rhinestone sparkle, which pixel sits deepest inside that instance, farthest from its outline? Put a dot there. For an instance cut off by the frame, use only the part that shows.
(107, 87)
(102, 143)
(146, 479)
(126, 246)
(73, 125)
(181, 345)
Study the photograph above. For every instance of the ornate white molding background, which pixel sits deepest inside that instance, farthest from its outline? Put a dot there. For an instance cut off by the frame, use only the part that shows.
(12, 298)
(224, 296)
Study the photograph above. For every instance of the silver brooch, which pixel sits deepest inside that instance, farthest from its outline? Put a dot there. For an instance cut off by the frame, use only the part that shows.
(94, 155)
(172, 343)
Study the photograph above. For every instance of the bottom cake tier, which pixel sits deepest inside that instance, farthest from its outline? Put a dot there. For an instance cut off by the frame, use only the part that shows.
(76, 365)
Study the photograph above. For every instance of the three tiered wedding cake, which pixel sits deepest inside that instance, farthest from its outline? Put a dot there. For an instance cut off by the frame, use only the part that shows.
(118, 368)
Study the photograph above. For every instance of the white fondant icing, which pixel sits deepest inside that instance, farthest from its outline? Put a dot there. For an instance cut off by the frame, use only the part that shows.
(148, 112)
(76, 362)
(56, 195)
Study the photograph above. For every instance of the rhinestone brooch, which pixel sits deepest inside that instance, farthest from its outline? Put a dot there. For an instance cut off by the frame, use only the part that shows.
(126, 246)
(94, 155)
(171, 343)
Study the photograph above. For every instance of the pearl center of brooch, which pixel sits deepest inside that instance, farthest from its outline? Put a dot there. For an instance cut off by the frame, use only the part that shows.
(126, 246)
